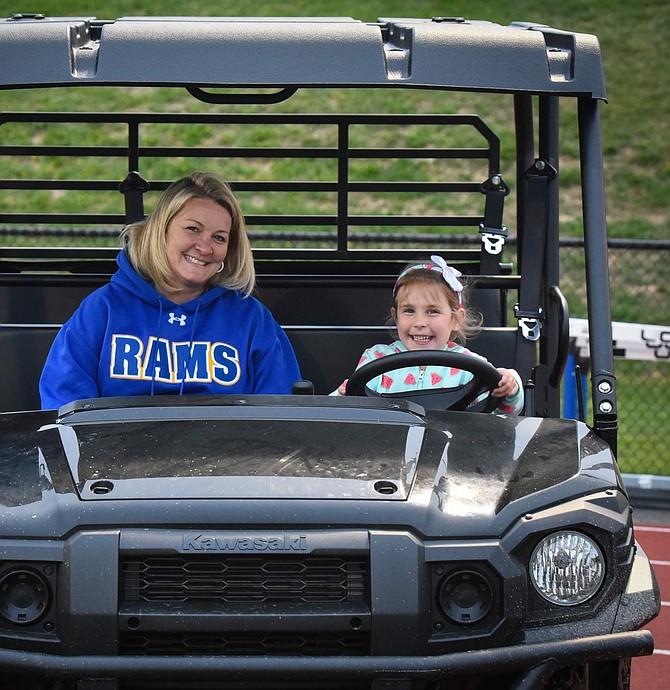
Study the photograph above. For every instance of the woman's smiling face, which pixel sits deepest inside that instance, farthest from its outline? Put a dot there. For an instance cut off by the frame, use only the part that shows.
(424, 317)
(196, 244)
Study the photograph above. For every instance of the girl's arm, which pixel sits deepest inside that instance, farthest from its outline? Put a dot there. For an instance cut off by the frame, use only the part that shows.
(510, 390)
(508, 384)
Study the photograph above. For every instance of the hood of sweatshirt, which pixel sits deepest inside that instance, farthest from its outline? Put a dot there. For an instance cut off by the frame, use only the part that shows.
(128, 279)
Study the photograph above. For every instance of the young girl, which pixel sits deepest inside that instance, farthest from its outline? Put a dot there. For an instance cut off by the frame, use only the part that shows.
(429, 314)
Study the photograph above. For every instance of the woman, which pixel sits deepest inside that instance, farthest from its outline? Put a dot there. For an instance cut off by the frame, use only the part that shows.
(178, 316)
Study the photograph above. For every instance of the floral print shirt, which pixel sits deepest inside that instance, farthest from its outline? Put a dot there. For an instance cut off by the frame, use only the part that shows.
(414, 378)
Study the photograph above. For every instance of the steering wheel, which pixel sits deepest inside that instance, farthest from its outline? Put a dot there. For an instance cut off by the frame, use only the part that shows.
(485, 378)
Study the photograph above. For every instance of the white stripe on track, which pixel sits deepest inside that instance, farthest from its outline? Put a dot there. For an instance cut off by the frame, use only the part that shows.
(659, 562)
(651, 528)
(666, 652)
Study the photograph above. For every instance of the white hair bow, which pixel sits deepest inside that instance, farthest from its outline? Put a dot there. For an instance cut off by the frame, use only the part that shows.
(450, 274)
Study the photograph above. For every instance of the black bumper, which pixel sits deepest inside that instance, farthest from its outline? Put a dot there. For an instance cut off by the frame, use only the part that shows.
(469, 663)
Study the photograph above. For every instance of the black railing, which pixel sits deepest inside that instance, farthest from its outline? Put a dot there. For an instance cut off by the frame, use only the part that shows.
(342, 183)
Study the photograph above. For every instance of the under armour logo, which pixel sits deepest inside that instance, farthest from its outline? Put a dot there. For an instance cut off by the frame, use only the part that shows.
(177, 319)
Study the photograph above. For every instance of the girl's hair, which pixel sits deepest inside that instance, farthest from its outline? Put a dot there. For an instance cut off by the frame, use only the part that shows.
(418, 274)
(146, 240)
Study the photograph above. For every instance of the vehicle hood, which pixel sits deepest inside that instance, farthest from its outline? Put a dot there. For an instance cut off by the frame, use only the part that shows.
(283, 458)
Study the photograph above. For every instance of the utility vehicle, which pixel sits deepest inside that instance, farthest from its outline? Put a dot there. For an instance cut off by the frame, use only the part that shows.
(310, 540)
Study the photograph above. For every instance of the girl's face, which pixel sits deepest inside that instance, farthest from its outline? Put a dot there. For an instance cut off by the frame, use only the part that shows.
(196, 244)
(424, 317)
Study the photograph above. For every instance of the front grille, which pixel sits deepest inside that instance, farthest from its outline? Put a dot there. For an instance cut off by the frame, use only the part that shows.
(247, 644)
(239, 579)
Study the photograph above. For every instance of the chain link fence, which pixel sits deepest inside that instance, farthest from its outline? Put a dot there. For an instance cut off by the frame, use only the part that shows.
(639, 294)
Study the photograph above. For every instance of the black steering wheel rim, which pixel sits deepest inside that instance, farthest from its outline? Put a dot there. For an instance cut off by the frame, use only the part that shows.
(485, 376)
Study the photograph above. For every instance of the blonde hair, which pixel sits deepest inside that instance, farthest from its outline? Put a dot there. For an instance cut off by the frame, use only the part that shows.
(147, 244)
(413, 275)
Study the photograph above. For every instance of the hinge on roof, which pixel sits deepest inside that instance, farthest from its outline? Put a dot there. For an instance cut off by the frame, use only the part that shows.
(83, 51)
(398, 52)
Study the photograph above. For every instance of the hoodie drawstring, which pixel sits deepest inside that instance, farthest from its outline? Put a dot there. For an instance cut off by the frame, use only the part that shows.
(190, 347)
(155, 350)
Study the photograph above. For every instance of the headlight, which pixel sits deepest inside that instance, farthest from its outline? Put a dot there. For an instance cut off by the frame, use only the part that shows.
(567, 568)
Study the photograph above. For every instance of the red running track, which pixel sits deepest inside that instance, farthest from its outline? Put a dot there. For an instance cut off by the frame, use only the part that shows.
(653, 672)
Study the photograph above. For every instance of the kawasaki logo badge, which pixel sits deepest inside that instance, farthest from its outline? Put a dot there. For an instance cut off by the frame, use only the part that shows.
(235, 544)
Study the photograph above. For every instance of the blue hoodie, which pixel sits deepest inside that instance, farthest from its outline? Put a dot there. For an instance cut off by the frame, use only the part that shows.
(128, 339)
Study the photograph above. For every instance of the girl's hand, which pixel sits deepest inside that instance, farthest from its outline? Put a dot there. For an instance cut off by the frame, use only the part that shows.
(343, 387)
(506, 386)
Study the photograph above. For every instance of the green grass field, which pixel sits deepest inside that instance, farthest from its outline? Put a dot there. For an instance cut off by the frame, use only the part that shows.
(635, 39)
